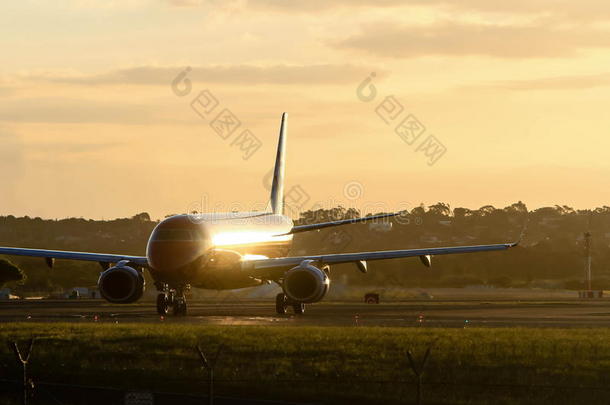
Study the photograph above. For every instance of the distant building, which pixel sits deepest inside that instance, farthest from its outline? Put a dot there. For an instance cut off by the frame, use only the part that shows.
(550, 222)
(380, 226)
(68, 238)
(429, 238)
(463, 240)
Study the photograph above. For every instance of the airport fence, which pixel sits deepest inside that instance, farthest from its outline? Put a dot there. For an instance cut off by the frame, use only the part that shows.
(430, 376)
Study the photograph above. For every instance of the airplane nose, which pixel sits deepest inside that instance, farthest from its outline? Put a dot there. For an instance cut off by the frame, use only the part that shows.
(165, 256)
(174, 244)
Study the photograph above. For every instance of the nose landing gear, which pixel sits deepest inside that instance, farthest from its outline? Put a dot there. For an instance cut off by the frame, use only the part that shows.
(169, 297)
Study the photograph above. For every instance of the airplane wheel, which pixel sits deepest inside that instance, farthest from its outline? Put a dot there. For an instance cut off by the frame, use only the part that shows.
(162, 304)
(281, 303)
(180, 307)
(299, 308)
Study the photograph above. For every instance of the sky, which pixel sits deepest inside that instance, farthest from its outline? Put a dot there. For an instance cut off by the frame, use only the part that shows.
(111, 108)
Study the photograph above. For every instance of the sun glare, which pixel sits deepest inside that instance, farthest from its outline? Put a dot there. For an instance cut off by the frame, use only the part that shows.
(245, 237)
(253, 257)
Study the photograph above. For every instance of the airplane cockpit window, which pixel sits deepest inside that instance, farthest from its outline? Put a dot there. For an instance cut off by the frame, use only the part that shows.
(177, 234)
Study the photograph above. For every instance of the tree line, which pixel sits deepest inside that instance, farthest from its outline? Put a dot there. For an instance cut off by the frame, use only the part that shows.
(551, 254)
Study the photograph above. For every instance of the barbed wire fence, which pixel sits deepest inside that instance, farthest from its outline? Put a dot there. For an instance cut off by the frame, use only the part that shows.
(430, 374)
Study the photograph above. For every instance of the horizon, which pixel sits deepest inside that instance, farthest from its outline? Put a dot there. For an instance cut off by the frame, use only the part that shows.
(576, 210)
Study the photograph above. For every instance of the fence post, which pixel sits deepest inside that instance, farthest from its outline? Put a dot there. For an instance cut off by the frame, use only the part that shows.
(27, 384)
(418, 371)
(209, 365)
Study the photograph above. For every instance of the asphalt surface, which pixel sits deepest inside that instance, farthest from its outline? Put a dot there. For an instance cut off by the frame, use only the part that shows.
(432, 313)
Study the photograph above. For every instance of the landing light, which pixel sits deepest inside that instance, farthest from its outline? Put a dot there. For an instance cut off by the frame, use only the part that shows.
(253, 257)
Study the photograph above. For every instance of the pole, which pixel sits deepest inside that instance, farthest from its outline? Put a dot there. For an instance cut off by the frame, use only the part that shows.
(588, 261)
(211, 387)
(418, 371)
(209, 366)
(26, 384)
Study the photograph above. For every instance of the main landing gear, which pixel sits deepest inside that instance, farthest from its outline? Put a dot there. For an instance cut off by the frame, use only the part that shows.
(282, 302)
(180, 306)
(173, 298)
(163, 303)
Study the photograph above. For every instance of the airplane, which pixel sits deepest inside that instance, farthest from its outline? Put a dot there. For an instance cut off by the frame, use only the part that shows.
(233, 250)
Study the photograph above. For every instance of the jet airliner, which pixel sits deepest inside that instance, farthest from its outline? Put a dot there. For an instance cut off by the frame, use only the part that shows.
(233, 250)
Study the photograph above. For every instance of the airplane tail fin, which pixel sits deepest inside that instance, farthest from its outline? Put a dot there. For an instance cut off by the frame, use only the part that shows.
(276, 200)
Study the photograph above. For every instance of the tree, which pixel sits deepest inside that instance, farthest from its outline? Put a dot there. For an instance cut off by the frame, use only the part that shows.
(440, 209)
(419, 211)
(485, 210)
(9, 272)
(460, 213)
(518, 207)
(603, 210)
(143, 216)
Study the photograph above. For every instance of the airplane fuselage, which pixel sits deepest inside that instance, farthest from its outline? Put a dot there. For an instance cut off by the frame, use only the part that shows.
(206, 250)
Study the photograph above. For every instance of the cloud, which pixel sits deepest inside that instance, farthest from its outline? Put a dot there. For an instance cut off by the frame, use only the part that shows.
(64, 110)
(317, 5)
(577, 82)
(567, 9)
(75, 148)
(11, 166)
(184, 3)
(11, 153)
(289, 5)
(6, 91)
(540, 41)
(231, 74)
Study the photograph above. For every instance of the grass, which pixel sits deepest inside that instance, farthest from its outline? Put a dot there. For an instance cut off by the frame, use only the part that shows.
(325, 364)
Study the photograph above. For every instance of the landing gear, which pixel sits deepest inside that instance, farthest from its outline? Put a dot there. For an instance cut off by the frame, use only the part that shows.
(180, 302)
(299, 308)
(171, 298)
(180, 306)
(282, 302)
(162, 304)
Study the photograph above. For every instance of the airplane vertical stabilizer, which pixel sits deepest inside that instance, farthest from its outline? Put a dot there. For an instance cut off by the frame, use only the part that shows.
(276, 200)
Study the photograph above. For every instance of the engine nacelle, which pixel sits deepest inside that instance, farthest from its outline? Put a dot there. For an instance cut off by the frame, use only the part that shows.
(121, 284)
(306, 283)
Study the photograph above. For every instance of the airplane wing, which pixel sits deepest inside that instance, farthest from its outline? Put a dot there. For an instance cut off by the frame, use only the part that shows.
(274, 268)
(63, 254)
(315, 227)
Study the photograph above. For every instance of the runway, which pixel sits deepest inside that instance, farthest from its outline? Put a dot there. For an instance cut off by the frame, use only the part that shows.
(430, 313)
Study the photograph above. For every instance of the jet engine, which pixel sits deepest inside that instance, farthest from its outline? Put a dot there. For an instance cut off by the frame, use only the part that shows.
(306, 283)
(121, 284)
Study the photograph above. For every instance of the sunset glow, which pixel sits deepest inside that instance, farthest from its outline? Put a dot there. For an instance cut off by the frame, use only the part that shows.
(93, 107)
